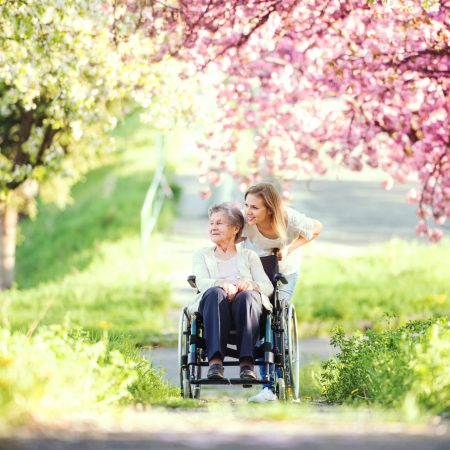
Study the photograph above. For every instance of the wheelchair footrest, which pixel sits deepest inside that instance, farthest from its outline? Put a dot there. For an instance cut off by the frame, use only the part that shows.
(225, 363)
(227, 381)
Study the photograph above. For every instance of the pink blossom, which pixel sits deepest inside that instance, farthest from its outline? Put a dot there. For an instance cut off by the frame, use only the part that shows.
(412, 196)
(365, 84)
(286, 196)
(205, 193)
(387, 184)
(421, 228)
(435, 235)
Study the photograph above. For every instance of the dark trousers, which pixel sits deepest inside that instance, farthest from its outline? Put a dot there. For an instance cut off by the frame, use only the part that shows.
(220, 315)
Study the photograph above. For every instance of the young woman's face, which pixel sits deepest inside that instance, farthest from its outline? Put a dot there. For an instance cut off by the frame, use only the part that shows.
(255, 210)
(220, 231)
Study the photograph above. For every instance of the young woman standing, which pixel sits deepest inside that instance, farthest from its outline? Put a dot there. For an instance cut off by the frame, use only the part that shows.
(270, 225)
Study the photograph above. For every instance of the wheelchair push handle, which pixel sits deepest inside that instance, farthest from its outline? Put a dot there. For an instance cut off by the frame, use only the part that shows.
(192, 281)
(278, 275)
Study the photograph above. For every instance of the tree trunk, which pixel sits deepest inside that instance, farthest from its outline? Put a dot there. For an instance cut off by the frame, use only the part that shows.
(8, 228)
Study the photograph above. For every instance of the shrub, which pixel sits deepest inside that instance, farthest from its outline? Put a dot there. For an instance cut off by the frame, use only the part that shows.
(59, 370)
(393, 367)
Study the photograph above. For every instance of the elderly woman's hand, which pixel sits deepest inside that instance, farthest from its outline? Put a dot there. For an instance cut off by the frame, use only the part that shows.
(229, 288)
(246, 285)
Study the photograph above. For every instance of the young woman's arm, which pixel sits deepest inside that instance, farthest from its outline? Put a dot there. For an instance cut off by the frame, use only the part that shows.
(301, 240)
(307, 230)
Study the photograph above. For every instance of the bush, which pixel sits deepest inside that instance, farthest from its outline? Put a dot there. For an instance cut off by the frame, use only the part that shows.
(61, 371)
(392, 368)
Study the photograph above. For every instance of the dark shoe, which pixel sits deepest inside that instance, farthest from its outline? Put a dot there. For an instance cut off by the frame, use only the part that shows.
(215, 372)
(247, 373)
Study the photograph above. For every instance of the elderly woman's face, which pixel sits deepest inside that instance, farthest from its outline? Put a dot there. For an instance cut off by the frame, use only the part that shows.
(220, 231)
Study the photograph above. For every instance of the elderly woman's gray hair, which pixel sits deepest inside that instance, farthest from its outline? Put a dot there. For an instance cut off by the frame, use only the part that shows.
(234, 216)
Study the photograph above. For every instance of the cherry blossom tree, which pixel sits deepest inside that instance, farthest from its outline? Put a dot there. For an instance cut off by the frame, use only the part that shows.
(362, 83)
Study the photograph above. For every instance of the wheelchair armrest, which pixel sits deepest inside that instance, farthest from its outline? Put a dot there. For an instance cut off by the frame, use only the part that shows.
(280, 277)
(191, 281)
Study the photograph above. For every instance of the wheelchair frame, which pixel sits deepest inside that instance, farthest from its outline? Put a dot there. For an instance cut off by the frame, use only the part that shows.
(280, 347)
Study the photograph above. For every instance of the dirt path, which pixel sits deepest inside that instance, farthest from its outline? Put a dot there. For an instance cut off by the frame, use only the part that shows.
(219, 430)
(167, 357)
(268, 440)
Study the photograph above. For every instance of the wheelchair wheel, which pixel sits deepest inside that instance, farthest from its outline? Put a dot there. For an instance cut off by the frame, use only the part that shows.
(280, 389)
(196, 388)
(292, 354)
(183, 349)
(186, 391)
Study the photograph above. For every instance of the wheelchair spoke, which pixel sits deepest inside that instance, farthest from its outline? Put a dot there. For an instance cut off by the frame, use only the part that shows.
(293, 365)
(183, 350)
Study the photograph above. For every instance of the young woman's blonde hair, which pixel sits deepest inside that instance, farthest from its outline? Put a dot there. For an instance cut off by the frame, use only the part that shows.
(272, 201)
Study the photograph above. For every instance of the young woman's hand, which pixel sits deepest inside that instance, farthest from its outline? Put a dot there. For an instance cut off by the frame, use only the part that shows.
(282, 253)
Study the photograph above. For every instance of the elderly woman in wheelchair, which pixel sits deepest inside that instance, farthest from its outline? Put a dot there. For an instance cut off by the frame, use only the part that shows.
(232, 302)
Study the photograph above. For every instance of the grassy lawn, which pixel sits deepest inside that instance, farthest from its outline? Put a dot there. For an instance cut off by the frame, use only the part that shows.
(85, 262)
(406, 280)
(83, 267)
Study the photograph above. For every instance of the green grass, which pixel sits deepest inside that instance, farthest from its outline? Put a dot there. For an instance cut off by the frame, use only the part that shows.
(85, 261)
(60, 371)
(407, 280)
(310, 388)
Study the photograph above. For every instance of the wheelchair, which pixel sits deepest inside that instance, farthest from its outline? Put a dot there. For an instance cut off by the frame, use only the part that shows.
(279, 346)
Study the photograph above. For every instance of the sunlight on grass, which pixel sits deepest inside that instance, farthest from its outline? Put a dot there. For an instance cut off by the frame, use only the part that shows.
(60, 371)
(109, 290)
(401, 368)
(408, 280)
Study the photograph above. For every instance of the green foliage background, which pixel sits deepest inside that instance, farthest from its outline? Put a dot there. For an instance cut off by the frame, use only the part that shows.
(407, 280)
(85, 261)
